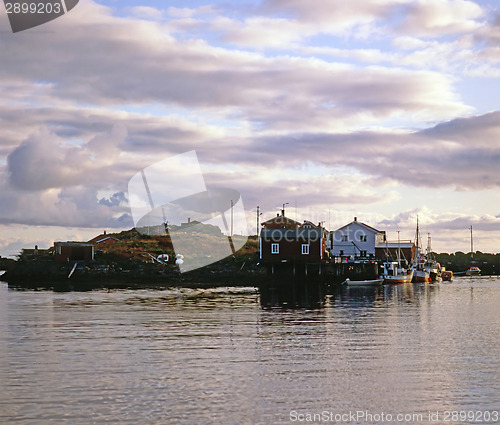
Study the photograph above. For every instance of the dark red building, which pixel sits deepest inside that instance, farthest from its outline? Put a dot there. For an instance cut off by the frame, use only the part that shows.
(73, 251)
(285, 240)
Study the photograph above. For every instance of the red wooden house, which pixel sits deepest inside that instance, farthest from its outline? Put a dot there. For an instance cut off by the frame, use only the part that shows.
(285, 240)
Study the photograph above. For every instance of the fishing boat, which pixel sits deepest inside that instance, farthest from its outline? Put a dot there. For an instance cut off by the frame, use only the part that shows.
(369, 282)
(473, 271)
(394, 272)
(446, 275)
(420, 272)
(431, 265)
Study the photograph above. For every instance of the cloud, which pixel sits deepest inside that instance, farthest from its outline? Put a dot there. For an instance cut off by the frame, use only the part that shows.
(331, 15)
(116, 199)
(147, 12)
(458, 154)
(76, 206)
(441, 17)
(140, 63)
(43, 161)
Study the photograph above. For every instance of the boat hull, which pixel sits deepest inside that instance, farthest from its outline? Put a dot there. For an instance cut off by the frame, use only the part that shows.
(397, 279)
(421, 276)
(372, 282)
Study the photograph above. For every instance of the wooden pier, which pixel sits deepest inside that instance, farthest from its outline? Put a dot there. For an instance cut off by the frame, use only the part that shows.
(331, 272)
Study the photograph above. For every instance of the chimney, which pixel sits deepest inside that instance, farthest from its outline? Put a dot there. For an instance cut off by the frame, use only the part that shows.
(104, 232)
(355, 218)
(189, 219)
(282, 212)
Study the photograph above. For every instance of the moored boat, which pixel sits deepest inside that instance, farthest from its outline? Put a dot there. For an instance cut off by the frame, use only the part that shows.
(473, 271)
(393, 272)
(368, 282)
(446, 275)
(420, 273)
(431, 265)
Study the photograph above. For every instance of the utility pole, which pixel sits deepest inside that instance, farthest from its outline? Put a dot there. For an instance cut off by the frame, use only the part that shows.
(231, 217)
(258, 220)
(471, 244)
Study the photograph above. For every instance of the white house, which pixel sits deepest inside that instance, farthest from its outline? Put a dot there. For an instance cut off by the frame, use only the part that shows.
(356, 240)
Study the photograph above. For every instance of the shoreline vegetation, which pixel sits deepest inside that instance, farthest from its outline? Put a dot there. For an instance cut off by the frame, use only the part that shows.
(128, 262)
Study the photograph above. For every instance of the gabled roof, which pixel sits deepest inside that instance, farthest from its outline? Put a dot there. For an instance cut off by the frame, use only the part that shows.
(280, 219)
(372, 229)
(277, 235)
(73, 243)
(102, 237)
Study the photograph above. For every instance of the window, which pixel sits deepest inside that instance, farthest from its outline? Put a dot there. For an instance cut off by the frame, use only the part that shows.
(362, 238)
(362, 253)
(341, 253)
(305, 248)
(275, 248)
(344, 238)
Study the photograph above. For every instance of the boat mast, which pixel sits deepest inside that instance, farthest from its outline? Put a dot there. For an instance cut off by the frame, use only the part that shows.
(417, 237)
(429, 249)
(471, 244)
(399, 252)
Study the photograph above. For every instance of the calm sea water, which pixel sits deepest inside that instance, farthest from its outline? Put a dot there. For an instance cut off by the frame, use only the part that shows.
(402, 354)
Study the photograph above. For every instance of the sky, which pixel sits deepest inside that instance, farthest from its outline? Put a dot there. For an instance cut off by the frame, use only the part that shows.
(383, 110)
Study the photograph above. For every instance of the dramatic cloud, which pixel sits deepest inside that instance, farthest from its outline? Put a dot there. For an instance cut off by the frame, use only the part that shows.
(147, 65)
(43, 162)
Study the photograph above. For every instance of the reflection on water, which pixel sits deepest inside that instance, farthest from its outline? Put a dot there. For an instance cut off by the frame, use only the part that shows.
(248, 355)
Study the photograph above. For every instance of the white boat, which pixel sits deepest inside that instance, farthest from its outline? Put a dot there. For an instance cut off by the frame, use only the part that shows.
(420, 272)
(393, 272)
(431, 265)
(368, 282)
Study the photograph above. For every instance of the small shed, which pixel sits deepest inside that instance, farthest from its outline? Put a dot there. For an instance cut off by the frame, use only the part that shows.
(73, 251)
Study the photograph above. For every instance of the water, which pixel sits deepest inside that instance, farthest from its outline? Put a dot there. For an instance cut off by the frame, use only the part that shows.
(238, 356)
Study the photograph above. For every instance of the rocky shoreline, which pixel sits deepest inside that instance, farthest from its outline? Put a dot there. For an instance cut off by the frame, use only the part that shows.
(95, 275)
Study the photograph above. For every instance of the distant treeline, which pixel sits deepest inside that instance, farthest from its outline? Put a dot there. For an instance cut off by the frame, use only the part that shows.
(461, 261)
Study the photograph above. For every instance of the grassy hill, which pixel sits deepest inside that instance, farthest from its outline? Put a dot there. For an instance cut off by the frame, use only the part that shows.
(137, 247)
